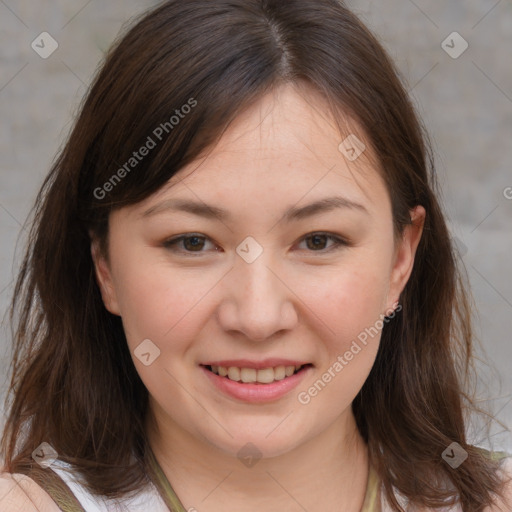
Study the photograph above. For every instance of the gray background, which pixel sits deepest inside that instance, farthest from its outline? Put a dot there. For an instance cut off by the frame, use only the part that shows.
(466, 104)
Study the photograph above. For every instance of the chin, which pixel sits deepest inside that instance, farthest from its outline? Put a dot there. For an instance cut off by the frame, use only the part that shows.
(257, 445)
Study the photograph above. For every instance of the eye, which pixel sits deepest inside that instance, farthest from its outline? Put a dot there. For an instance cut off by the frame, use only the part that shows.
(192, 243)
(318, 241)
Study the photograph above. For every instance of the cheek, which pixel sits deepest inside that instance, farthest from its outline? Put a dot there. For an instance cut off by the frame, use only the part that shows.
(347, 301)
(349, 306)
(162, 305)
(165, 304)
(155, 300)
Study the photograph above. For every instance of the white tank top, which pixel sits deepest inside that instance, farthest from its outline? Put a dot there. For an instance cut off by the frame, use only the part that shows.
(149, 500)
(142, 501)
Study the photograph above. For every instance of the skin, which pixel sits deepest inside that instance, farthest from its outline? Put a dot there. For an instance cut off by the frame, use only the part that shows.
(299, 299)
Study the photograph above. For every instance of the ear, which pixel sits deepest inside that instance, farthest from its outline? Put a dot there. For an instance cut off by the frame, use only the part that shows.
(104, 277)
(404, 256)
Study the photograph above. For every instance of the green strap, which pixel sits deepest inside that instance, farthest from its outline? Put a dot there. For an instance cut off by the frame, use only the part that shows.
(53, 484)
(498, 455)
(162, 483)
(372, 500)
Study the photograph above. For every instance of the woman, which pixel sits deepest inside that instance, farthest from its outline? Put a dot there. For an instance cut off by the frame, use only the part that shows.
(240, 291)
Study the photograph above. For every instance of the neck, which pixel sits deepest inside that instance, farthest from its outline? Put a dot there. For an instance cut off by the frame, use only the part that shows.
(329, 472)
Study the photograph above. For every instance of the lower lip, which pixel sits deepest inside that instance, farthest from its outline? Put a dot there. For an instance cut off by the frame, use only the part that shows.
(256, 392)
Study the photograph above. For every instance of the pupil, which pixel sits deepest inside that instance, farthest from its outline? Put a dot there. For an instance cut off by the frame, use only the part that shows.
(193, 245)
(316, 239)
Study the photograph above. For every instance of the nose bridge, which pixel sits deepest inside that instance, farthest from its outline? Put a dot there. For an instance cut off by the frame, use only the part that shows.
(261, 302)
(259, 286)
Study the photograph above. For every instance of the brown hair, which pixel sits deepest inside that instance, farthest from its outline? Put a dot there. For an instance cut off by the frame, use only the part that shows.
(74, 384)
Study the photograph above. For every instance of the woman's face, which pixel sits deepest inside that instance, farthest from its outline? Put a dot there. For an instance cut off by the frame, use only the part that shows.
(293, 264)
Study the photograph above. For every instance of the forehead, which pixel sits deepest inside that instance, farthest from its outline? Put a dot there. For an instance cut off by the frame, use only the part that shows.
(285, 146)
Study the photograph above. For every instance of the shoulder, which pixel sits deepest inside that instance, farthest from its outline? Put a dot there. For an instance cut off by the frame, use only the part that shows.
(500, 505)
(504, 505)
(19, 492)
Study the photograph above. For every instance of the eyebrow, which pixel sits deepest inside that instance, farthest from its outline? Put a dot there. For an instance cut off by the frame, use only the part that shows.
(294, 213)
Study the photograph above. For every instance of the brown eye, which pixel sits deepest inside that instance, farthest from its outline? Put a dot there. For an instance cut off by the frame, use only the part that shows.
(187, 244)
(317, 242)
(193, 243)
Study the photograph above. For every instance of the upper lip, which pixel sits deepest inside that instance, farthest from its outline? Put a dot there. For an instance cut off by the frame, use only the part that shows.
(246, 363)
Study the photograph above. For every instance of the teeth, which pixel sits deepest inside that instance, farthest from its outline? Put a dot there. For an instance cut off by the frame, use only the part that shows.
(279, 373)
(265, 376)
(248, 375)
(234, 373)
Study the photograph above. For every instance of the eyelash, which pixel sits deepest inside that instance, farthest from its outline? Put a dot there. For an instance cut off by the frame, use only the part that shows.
(338, 243)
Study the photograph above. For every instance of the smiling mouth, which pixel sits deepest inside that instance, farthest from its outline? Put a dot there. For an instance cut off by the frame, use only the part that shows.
(254, 376)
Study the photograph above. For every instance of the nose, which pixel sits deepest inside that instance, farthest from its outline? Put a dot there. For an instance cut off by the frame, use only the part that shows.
(256, 301)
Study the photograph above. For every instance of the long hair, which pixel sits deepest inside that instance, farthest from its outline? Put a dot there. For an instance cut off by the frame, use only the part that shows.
(180, 75)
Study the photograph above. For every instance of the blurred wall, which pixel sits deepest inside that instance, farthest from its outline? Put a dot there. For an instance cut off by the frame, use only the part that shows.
(454, 56)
